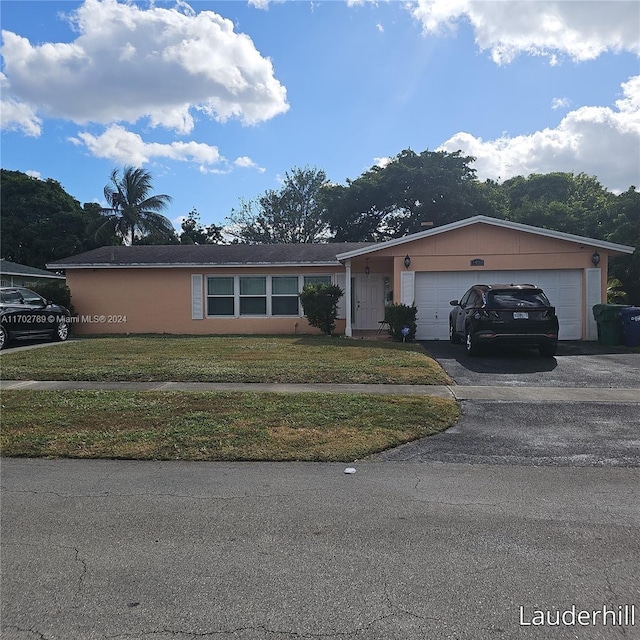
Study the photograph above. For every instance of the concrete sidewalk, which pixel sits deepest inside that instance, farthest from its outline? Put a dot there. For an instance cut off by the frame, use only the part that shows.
(455, 392)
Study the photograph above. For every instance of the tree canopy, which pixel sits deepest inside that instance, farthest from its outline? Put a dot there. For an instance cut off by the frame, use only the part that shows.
(194, 233)
(294, 213)
(40, 221)
(411, 191)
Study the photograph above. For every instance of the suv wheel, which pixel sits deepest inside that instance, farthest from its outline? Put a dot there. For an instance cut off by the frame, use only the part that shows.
(548, 350)
(4, 337)
(470, 343)
(454, 338)
(62, 331)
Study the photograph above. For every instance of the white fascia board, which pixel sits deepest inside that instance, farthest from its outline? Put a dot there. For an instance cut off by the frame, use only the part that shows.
(32, 275)
(517, 226)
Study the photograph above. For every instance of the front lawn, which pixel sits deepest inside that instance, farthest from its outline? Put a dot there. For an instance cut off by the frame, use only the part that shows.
(294, 359)
(219, 426)
(214, 426)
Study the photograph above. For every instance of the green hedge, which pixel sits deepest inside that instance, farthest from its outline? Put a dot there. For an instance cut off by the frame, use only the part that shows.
(398, 316)
(320, 304)
(56, 292)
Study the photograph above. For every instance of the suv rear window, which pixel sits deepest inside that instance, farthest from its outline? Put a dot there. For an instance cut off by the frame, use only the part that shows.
(9, 297)
(516, 299)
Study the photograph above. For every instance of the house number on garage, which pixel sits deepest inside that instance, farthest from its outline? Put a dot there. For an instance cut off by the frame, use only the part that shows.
(477, 262)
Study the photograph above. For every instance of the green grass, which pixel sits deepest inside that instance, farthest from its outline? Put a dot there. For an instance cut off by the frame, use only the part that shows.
(219, 426)
(312, 359)
(214, 426)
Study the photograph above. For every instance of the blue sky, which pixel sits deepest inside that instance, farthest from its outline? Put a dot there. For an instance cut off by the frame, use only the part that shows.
(219, 99)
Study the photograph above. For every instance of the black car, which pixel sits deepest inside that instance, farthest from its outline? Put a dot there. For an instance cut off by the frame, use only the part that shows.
(504, 314)
(25, 314)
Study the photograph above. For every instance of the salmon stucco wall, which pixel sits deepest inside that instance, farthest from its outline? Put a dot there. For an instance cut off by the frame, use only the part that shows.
(158, 300)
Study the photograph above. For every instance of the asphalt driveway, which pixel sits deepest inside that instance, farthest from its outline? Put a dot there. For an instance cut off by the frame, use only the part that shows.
(515, 432)
(577, 364)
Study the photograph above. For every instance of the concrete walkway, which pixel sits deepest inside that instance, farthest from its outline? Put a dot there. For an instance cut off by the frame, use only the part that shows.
(455, 392)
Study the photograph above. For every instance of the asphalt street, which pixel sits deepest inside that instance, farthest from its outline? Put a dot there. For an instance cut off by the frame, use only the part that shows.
(173, 551)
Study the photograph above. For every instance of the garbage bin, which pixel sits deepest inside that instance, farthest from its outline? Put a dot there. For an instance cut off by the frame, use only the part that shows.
(631, 326)
(609, 323)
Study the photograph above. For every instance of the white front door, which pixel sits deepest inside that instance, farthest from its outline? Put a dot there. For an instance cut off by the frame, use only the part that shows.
(369, 301)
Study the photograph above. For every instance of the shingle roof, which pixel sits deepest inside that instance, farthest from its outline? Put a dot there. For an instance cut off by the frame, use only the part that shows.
(218, 255)
(14, 269)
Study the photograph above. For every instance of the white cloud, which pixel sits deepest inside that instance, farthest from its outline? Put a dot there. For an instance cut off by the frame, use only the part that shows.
(598, 141)
(580, 29)
(560, 103)
(34, 174)
(244, 162)
(129, 63)
(128, 148)
(263, 4)
(382, 162)
(18, 116)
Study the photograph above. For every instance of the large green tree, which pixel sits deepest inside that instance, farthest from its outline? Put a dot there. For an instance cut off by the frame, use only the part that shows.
(194, 233)
(40, 221)
(292, 214)
(625, 229)
(134, 213)
(576, 204)
(413, 190)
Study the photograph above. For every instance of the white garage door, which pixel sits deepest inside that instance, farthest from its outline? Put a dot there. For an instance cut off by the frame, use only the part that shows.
(433, 291)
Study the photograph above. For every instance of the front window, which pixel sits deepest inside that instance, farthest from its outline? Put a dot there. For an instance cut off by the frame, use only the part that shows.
(220, 297)
(317, 280)
(253, 296)
(284, 296)
(234, 296)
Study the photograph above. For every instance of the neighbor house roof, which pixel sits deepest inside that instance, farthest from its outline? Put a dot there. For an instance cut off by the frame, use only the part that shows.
(14, 269)
(506, 224)
(209, 255)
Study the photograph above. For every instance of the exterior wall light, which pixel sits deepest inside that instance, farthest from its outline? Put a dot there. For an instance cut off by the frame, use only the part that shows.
(595, 258)
(367, 271)
(407, 261)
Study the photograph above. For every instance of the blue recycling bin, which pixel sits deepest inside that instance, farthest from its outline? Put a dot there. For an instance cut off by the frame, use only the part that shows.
(631, 326)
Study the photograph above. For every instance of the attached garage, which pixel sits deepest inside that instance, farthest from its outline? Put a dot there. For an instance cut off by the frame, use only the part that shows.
(433, 291)
(431, 268)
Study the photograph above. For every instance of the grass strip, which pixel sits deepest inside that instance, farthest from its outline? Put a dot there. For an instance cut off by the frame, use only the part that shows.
(214, 426)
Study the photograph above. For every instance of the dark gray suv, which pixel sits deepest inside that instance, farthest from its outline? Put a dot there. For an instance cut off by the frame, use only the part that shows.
(504, 314)
(25, 314)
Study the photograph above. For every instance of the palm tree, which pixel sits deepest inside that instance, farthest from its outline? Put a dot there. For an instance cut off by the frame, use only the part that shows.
(133, 212)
